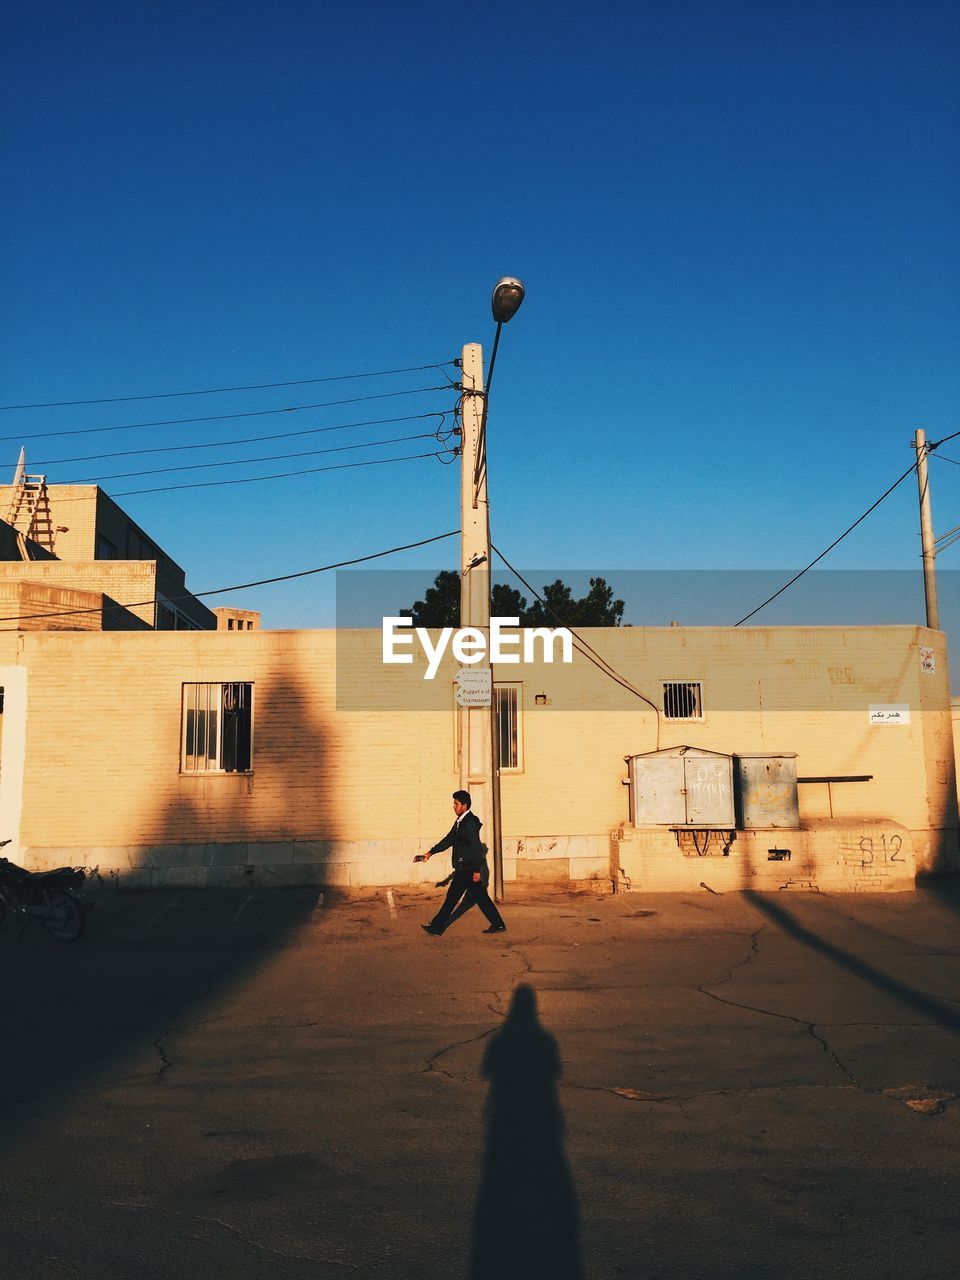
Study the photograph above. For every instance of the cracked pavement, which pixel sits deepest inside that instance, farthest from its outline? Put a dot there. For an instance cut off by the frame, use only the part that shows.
(752, 1085)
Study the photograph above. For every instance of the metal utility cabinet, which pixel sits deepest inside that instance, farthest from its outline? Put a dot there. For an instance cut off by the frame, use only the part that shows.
(767, 790)
(681, 787)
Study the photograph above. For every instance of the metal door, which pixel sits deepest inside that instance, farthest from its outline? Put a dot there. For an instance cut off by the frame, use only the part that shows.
(658, 791)
(708, 790)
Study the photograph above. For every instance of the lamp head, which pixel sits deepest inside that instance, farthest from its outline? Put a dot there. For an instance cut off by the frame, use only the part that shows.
(507, 296)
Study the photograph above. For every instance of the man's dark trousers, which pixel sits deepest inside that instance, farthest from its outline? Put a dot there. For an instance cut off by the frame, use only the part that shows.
(464, 886)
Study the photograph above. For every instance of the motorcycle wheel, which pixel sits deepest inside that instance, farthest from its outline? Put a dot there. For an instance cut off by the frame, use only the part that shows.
(65, 919)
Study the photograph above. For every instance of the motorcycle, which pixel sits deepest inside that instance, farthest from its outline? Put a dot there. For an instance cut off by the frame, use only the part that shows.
(51, 897)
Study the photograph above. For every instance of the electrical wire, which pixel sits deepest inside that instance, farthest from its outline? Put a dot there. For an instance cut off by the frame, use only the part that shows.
(219, 417)
(859, 520)
(586, 650)
(216, 391)
(239, 462)
(280, 475)
(223, 444)
(943, 457)
(243, 586)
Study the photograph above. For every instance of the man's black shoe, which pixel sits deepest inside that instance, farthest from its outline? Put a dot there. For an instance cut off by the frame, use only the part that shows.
(494, 928)
(428, 928)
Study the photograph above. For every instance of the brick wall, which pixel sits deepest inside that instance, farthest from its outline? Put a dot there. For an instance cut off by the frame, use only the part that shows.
(230, 619)
(104, 722)
(131, 584)
(83, 514)
(28, 606)
(72, 506)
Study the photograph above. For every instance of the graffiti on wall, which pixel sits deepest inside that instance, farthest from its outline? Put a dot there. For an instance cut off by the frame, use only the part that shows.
(878, 850)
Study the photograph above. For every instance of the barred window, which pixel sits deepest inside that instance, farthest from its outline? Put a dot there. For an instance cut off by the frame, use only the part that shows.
(217, 728)
(682, 700)
(508, 720)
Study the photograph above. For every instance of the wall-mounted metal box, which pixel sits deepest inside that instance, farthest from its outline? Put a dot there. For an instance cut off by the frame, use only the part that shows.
(767, 790)
(681, 787)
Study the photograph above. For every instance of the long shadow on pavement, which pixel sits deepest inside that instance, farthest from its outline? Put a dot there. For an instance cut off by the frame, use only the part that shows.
(526, 1222)
(939, 1011)
(80, 1015)
(945, 891)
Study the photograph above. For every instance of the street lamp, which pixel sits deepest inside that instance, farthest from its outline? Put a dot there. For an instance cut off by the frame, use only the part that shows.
(477, 763)
(507, 296)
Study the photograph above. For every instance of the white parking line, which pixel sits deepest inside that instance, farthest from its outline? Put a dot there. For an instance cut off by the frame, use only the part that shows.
(162, 912)
(239, 911)
(391, 904)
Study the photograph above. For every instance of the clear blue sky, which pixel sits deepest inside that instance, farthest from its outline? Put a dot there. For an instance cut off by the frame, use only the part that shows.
(737, 224)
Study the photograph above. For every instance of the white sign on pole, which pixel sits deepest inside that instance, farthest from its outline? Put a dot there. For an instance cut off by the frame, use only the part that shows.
(473, 697)
(473, 676)
(928, 661)
(890, 713)
(474, 687)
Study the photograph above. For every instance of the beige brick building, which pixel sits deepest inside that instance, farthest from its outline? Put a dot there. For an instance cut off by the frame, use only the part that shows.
(88, 544)
(275, 757)
(232, 619)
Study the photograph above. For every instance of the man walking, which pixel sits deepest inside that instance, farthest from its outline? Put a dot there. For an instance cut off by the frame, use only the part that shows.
(469, 870)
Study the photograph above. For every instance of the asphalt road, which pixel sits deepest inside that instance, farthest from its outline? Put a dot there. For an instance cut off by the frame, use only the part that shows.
(271, 1084)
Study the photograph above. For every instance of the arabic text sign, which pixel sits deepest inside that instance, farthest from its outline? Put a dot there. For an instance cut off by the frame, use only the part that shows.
(890, 713)
(474, 687)
(474, 677)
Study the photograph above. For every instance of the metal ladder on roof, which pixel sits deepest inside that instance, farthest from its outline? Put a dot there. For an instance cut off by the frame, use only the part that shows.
(29, 508)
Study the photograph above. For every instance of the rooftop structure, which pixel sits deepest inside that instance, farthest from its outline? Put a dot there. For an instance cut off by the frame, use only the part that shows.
(64, 539)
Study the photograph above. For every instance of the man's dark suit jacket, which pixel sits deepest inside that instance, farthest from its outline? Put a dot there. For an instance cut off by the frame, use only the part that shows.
(464, 840)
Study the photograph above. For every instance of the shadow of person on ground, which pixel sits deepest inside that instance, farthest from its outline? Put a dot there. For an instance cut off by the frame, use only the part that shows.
(526, 1222)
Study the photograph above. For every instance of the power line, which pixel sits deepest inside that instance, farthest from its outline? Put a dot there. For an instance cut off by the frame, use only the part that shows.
(859, 520)
(223, 444)
(216, 391)
(218, 417)
(239, 462)
(243, 586)
(586, 650)
(280, 475)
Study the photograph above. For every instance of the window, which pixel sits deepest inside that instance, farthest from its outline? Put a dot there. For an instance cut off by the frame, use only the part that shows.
(509, 707)
(217, 728)
(139, 546)
(682, 700)
(106, 550)
(508, 719)
(172, 618)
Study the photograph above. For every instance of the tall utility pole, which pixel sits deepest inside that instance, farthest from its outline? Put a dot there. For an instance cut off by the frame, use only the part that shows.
(479, 728)
(477, 743)
(926, 533)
